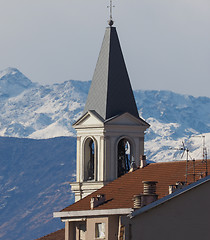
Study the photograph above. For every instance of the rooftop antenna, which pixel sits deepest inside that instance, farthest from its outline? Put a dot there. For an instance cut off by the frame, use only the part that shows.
(184, 149)
(204, 151)
(111, 22)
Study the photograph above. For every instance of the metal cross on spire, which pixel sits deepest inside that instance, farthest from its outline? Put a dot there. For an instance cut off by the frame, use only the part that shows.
(111, 22)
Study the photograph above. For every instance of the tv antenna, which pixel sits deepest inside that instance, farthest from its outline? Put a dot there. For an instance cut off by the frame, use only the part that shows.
(204, 151)
(111, 6)
(184, 149)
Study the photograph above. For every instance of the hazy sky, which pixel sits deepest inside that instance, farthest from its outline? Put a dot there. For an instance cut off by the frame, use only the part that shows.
(166, 44)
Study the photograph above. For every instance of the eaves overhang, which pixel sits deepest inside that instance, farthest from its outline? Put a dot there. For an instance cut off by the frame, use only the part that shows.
(93, 213)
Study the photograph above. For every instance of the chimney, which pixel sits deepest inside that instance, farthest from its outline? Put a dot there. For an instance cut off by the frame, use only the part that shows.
(148, 196)
(143, 161)
(96, 201)
(149, 187)
(177, 186)
(136, 201)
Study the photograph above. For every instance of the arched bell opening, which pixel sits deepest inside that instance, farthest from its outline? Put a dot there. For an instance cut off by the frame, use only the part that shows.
(124, 156)
(89, 159)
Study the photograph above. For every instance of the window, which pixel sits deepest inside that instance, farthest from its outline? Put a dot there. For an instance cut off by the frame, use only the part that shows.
(100, 230)
(89, 161)
(124, 157)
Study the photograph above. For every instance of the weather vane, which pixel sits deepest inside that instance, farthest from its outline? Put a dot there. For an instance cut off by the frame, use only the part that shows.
(111, 22)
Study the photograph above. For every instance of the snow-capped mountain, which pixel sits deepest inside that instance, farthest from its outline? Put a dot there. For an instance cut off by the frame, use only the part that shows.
(173, 119)
(33, 111)
(13, 82)
(36, 111)
(34, 173)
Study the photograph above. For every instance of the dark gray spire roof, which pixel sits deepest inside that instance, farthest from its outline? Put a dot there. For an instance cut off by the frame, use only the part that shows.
(110, 93)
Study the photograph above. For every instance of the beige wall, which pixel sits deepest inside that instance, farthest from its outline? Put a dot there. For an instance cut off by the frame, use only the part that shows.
(91, 227)
(106, 138)
(111, 228)
(111, 224)
(184, 217)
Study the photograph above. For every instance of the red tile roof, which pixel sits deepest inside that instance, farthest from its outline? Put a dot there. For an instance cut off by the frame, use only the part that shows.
(120, 192)
(58, 235)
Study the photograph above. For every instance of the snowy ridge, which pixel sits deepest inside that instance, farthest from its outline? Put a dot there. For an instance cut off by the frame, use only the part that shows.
(13, 82)
(42, 111)
(161, 147)
(33, 111)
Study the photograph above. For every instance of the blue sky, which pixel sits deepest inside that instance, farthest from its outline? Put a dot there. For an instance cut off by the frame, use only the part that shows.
(166, 44)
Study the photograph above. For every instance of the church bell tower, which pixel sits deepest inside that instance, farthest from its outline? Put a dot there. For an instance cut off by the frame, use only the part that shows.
(110, 133)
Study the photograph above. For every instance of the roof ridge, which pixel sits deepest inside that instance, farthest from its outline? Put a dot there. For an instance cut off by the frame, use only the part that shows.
(173, 161)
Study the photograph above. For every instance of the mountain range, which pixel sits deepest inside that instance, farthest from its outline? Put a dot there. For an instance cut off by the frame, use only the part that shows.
(38, 144)
(30, 110)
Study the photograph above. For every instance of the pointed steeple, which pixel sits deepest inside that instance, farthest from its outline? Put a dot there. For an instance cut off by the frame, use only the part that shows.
(110, 93)
(110, 122)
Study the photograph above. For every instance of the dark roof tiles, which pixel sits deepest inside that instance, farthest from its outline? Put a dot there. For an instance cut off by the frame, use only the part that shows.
(110, 93)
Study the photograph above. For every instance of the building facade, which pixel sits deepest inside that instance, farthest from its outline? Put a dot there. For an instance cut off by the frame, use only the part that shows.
(126, 209)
